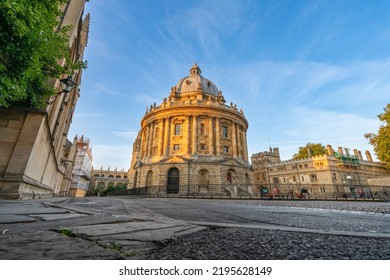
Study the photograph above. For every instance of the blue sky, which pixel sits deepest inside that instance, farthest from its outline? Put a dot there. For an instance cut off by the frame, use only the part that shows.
(302, 71)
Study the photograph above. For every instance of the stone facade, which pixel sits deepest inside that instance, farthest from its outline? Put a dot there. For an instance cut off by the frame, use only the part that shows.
(33, 143)
(334, 172)
(104, 178)
(192, 143)
(81, 174)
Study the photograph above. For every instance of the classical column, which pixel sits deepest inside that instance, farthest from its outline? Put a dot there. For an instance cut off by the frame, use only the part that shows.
(161, 137)
(194, 134)
(239, 142)
(150, 147)
(245, 146)
(218, 135)
(211, 138)
(147, 133)
(187, 147)
(167, 135)
(140, 145)
(234, 140)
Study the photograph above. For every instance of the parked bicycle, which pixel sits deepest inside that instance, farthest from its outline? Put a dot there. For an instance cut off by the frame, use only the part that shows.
(301, 194)
(274, 193)
(384, 196)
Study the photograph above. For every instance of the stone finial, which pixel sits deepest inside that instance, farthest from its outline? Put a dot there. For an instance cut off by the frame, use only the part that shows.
(329, 149)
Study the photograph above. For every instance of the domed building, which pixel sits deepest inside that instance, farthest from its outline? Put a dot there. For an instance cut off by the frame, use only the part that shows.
(192, 143)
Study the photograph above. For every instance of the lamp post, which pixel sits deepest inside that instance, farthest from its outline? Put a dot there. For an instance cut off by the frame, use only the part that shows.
(67, 85)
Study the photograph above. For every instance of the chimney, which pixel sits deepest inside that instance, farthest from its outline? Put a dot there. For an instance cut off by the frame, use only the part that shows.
(308, 152)
(340, 151)
(346, 152)
(368, 155)
(360, 155)
(330, 150)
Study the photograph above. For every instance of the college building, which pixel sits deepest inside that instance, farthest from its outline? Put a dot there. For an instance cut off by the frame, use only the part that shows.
(335, 174)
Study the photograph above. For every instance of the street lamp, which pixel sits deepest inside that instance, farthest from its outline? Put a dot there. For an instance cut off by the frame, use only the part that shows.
(67, 85)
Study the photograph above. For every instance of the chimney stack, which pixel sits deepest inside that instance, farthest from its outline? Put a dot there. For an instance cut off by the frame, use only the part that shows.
(308, 152)
(346, 152)
(360, 155)
(368, 155)
(340, 151)
(330, 150)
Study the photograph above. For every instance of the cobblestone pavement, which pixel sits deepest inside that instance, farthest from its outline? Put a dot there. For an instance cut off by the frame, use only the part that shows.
(260, 244)
(123, 228)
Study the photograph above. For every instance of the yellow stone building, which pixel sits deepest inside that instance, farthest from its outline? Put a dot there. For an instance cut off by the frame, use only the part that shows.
(192, 143)
(335, 174)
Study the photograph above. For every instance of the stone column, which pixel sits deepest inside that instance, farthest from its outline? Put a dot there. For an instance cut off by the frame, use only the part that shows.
(167, 135)
(194, 134)
(141, 154)
(245, 146)
(147, 141)
(150, 147)
(161, 138)
(234, 140)
(218, 135)
(187, 147)
(239, 141)
(211, 138)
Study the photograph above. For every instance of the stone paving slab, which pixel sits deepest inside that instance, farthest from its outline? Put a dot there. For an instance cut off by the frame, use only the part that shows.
(10, 218)
(47, 245)
(97, 229)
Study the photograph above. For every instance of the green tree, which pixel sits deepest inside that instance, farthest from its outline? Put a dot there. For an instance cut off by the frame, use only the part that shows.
(315, 150)
(381, 140)
(30, 48)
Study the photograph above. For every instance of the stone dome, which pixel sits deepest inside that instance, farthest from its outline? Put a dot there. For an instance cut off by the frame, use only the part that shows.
(196, 82)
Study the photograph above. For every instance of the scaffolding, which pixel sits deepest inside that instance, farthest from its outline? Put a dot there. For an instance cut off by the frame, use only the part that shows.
(347, 160)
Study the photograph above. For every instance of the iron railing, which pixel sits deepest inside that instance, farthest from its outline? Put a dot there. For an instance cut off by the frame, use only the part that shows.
(272, 191)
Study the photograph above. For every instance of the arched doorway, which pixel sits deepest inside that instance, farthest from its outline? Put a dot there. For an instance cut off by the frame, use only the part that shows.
(203, 181)
(149, 178)
(135, 179)
(229, 177)
(173, 181)
(247, 179)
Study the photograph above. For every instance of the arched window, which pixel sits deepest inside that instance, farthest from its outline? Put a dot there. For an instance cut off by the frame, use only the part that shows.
(118, 176)
(110, 176)
(202, 129)
(173, 181)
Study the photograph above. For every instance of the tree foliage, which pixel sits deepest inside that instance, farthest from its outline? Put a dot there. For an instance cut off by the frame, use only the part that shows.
(381, 140)
(30, 49)
(315, 150)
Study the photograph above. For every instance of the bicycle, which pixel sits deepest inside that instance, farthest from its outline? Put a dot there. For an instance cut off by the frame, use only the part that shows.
(301, 194)
(384, 196)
